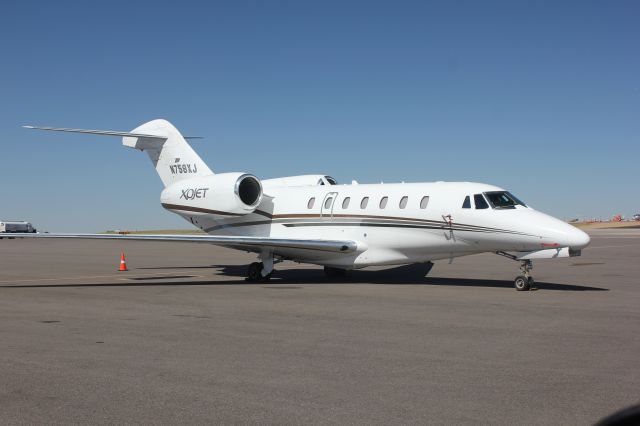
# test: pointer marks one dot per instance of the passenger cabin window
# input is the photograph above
(345, 203)
(403, 202)
(383, 202)
(424, 202)
(327, 203)
(364, 202)
(480, 202)
(503, 200)
(311, 202)
(467, 203)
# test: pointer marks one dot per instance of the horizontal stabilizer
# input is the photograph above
(162, 142)
(97, 132)
(105, 132)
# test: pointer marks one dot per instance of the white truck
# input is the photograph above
(9, 227)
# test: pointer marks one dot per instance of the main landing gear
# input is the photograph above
(254, 273)
(330, 272)
(261, 271)
(525, 281)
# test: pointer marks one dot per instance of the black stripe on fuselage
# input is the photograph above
(371, 222)
(283, 218)
(198, 210)
(393, 219)
(398, 225)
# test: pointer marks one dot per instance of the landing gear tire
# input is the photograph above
(330, 272)
(254, 272)
(523, 283)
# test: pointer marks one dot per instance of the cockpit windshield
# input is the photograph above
(503, 200)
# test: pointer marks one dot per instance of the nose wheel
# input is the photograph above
(525, 281)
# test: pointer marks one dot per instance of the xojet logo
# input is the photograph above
(193, 193)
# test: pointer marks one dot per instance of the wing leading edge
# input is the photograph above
(334, 246)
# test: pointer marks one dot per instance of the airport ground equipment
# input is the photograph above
(16, 226)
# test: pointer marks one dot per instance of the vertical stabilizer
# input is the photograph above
(171, 155)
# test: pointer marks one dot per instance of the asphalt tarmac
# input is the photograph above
(181, 338)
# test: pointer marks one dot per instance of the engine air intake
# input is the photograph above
(249, 189)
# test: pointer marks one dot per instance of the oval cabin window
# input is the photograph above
(364, 202)
(328, 202)
(311, 203)
(424, 202)
(345, 203)
(383, 202)
(403, 202)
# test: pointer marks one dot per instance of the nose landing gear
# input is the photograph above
(525, 281)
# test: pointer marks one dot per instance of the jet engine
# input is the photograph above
(224, 194)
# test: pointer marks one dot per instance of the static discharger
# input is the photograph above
(123, 263)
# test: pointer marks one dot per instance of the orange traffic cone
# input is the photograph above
(123, 263)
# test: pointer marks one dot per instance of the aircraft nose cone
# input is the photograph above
(578, 239)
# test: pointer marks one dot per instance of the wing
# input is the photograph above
(249, 243)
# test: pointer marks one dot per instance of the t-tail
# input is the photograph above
(171, 155)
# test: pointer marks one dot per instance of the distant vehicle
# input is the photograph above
(10, 227)
(636, 217)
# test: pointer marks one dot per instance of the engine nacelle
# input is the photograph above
(224, 194)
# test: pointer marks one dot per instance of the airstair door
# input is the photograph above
(326, 211)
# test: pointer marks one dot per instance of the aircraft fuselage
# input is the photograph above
(392, 223)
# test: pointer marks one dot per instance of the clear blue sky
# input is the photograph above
(542, 98)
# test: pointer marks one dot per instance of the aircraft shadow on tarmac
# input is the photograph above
(403, 275)
(407, 275)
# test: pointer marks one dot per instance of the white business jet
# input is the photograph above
(313, 219)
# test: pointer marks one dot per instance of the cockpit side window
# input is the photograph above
(480, 202)
(467, 203)
(503, 200)
(331, 180)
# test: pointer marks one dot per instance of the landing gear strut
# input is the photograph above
(525, 281)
